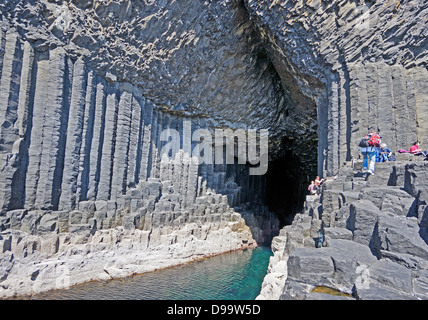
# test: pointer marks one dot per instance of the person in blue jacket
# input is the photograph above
(385, 154)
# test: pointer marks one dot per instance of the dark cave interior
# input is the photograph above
(286, 187)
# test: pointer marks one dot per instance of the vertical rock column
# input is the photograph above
(69, 195)
(106, 165)
(23, 126)
(54, 126)
(387, 98)
(146, 139)
(86, 149)
(97, 141)
(135, 141)
(49, 122)
(12, 54)
(120, 159)
(420, 76)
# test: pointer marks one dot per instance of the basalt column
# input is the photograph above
(359, 65)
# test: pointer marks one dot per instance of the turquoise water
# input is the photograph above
(232, 276)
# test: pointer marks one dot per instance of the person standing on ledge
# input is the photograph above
(369, 147)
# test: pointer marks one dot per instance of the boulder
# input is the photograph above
(338, 233)
(400, 234)
(48, 223)
(349, 259)
(416, 178)
(30, 221)
(312, 266)
(390, 274)
(362, 219)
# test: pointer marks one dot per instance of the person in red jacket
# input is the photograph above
(416, 150)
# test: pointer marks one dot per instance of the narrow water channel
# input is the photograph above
(232, 276)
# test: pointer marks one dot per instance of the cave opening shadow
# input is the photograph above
(286, 187)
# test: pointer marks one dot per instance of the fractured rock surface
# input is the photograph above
(87, 87)
(371, 248)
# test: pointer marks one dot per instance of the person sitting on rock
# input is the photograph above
(385, 154)
(416, 150)
(313, 189)
(318, 181)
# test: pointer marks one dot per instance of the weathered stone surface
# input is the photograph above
(338, 233)
(390, 199)
(87, 87)
(415, 177)
(390, 274)
(48, 223)
(420, 284)
(310, 266)
(376, 250)
(402, 235)
(349, 258)
(382, 293)
(362, 220)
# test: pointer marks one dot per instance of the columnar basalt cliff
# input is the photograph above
(87, 87)
(86, 90)
(363, 63)
(363, 238)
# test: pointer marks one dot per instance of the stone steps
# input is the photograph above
(372, 225)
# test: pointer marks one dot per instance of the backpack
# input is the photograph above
(370, 140)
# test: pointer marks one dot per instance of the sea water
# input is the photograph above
(232, 276)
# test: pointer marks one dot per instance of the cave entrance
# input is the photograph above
(282, 189)
(286, 187)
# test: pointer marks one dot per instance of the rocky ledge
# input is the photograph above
(42, 250)
(362, 238)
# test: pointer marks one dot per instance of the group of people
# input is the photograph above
(315, 186)
(376, 151)
(373, 150)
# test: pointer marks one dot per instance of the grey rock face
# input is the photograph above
(363, 63)
(198, 58)
(82, 108)
(363, 216)
(87, 87)
(372, 249)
